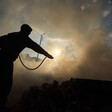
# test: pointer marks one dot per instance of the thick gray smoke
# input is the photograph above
(74, 26)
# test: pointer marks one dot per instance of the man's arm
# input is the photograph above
(37, 48)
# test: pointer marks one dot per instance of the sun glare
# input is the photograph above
(57, 52)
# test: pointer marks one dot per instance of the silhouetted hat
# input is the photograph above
(26, 28)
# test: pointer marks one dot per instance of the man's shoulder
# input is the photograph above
(13, 34)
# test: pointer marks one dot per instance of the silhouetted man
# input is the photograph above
(10, 47)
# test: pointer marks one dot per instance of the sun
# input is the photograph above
(57, 52)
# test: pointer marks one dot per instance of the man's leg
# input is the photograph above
(6, 75)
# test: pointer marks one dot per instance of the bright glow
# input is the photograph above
(57, 52)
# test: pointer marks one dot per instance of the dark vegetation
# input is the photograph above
(74, 95)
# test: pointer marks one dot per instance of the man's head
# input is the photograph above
(26, 29)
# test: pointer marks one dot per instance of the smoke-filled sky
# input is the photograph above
(78, 33)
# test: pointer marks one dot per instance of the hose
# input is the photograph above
(31, 68)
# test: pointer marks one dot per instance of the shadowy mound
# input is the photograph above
(74, 95)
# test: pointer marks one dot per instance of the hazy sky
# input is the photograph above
(81, 30)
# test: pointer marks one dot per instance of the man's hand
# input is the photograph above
(50, 56)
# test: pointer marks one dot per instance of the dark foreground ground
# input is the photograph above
(74, 95)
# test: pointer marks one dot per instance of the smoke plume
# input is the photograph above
(74, 26)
